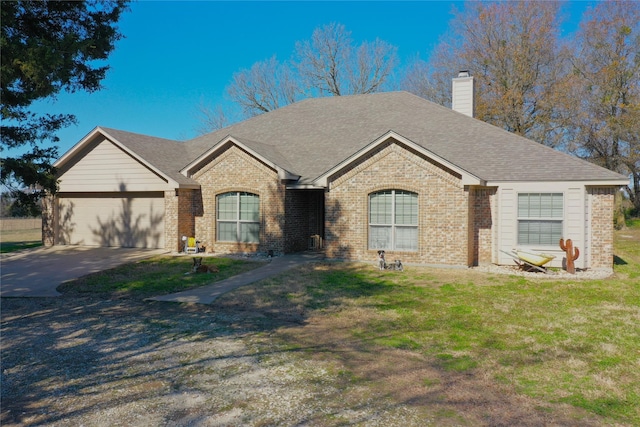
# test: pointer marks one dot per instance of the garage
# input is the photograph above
(132, 220)
(108, 195)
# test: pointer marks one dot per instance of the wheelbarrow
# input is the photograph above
(528, 260)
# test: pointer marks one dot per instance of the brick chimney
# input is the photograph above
(462, 94)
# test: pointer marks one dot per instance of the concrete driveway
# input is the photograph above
(38, 272)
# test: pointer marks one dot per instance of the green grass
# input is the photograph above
(155, 276)
(633, 223)
(552, 338)
(558, 341)
(561, 341)
(17, 240)
(8, 247)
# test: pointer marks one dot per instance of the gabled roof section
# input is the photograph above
(309, 140)
(266, 153)
(316, 135)
(466, 177)
(157, 154)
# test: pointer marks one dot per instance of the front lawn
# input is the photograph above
(17, 240)
(565, 347)
(457, 346)
(155, 276)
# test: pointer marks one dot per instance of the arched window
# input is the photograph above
(238, 217)
(393, 220)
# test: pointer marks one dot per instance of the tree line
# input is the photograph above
(579, 93)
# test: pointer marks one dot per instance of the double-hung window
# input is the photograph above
(393, 220)
(540, 218)
(238, 217)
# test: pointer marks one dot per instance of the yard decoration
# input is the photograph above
(572, 254)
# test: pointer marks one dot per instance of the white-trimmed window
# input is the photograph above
(238, 217)
(540, 218)
(393, 220)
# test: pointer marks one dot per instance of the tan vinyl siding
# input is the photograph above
(108, 168)
(575, 220)
(507, 224)
(574, 225)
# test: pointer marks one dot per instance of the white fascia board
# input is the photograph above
(99, 131)
(283, 174)
(586, 183)
(77, 147)
(467, 178)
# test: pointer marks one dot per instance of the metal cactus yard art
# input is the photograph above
(572, 254)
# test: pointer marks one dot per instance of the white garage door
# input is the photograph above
(134, 221)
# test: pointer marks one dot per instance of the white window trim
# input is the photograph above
(393, 226)
(541, 219)
(237, 221)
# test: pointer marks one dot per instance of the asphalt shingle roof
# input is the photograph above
(316, 134)
(166, 155)
(310, 137)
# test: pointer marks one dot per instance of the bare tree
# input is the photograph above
(422, 79)
(513, 51)
(329, 63)
(606, 85)
(267, 85)
(212, 118)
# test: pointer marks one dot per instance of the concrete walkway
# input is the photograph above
(207, 294)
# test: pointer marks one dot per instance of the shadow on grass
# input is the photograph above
(101, 336)
(101, 353)
(618, 261)
(159, 275)
(8, 247)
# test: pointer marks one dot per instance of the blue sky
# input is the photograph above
(177, 55)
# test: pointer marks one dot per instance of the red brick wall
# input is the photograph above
(182, 216)
(601, 217)
(442, 207)
(171, 224)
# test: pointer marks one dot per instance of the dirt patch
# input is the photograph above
(82, 361)
(421, 386)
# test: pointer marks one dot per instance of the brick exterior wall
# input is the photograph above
(601, 218)
(236, 170)
(442, 207)
(456, 225)
(179, 217)
(482, 216)
(49, 220)
(171, 223)
(303, 219)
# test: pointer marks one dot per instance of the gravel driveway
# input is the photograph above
(81, 361)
